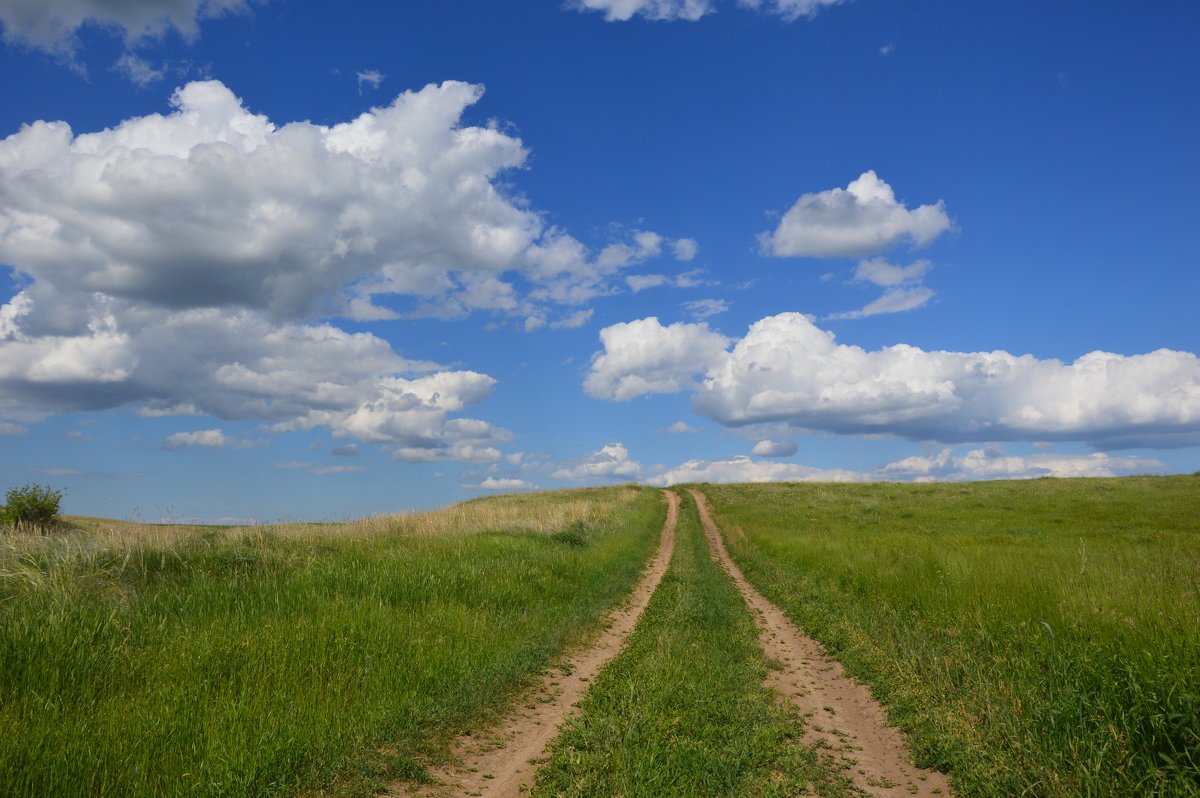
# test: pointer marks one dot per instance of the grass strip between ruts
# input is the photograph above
(682, 711)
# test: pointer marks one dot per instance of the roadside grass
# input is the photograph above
(271, 662)
(682, 711)
(1035, 638)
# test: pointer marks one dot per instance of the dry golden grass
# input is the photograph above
(545, 511)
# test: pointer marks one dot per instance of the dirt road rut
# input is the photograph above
(497, 762)
(843, 718)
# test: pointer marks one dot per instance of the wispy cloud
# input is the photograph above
(370, 77)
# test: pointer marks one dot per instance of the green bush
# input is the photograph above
(30, 506)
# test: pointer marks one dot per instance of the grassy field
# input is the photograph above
(683, 711)
(1036, 638)
(140, 660)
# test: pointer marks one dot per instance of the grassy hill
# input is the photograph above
(1035, 638)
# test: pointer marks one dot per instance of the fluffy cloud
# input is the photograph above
(211, 438)
(212, 205)
(182, 262)
(612, 461)
(681, 428)
(502, 483)
(775, 448)
(862, 219)
(744, 469)
(52, 25)
(692, 10)
(643, 356)
(685, 248)
(787, 370)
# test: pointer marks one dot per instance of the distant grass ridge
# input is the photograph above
(270, 662)
(1036, 638)
(682, 712)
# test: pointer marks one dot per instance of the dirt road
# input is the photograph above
(496, 763)
(843, 718)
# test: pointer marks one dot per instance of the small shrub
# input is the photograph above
(31, 506)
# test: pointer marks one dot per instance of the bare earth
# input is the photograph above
(496, 763)
(843, 718)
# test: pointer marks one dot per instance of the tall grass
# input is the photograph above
(274, 662)
(683, 711)
(1037, 638)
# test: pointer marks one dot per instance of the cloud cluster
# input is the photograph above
(692, 10)
(182, 263)
(903, 287)
(993, 462)
(987, 463)
(862, 219)
(611, 462)
(52, 25)
(745, 469)
(787, 370)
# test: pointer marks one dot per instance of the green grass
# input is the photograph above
(683, 711)
(1036, 638)
(226, 663)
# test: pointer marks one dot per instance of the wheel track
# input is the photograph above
(501, 762)
(843, 719)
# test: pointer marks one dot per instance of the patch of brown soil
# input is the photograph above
(500, 762)
(844, 721)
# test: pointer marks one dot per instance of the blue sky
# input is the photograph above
(281, 260)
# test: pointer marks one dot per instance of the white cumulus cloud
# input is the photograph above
(770, 448)
(787, 370)
(643, 356)
(612, 461)
(862, 219)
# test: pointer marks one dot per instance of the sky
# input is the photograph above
(267, 260)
